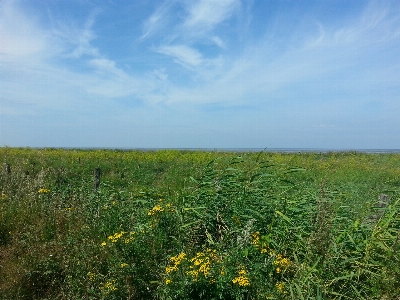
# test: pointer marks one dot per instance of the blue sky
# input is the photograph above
(200, 74)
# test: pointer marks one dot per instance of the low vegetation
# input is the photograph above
(199, 225)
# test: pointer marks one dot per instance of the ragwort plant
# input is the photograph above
(224, 255)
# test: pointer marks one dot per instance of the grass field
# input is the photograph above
(199, 225)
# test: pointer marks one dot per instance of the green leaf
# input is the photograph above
(245, 252)
(283, 217)
(191, 223)
(296, 170)
(382, 246)
(209, 238)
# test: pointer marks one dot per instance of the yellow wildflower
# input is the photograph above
(281, 261)
(108, 287)
(280, 286)
(168, 281)
(103, 244)
(91, 276)
(196, 261)
(123, 265)
(178, 258)
(156, 209)
(256, 238)
(257, 244)
(129, 239)
(242, 279)
(205, 268)
(169, 206)
(193, 273)
(171, 269)
(114, 238)
(43, 191)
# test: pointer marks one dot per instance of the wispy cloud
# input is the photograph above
(218, 41)
(192, 31)
(20, 36)
(205, 14)
(158, 21)
(76, 38)
(184, 55)
(106, 66)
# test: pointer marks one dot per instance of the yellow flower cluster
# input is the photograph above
(105, 207)
(262, 247)
(123, 265)
(281, 262)
(169, 207)
(118, 235)
(43, 191)
(176, 260)
(108, 286)
(202, 264)
(280, 286)
(91, 276)
(3, 196)
(156, 209)
(242, 279)
(114, 238)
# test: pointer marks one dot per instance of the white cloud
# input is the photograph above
(184, 55)
(207, 13)
(106, 66)
(76, 39)
(19, 36)
(217, 40)
(158, 20)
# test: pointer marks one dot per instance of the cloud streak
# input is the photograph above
(184, 55)
(204, 15)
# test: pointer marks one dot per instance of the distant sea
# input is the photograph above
(276, 150)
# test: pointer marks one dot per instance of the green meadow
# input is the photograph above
(175, 224)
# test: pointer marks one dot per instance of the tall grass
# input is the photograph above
(198, 225)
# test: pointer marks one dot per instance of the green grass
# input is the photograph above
(198, 225)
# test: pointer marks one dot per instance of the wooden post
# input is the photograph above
(383, 201)
(381, 205)
(97, 173)
(7, 168)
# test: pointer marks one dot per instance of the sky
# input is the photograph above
(200, 74)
